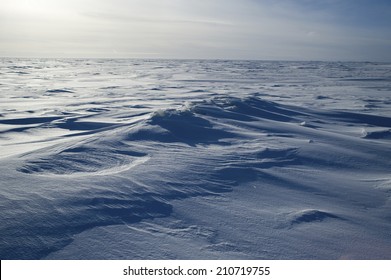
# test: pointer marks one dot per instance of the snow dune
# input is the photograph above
(194, 159)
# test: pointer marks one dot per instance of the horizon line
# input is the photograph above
(193, 59)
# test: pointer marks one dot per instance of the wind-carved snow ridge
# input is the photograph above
(175, 125)
(252, 160)
(147, 154)
(305, 217)
(85, 160)
(377, 134)
(153, 175)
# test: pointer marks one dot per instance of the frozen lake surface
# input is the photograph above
(192, 159)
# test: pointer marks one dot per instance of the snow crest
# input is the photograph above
(275, 165)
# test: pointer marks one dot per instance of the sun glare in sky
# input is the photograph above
(222, 29)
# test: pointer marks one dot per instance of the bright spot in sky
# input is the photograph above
(222, 29)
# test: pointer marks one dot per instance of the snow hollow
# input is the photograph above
(191, 159)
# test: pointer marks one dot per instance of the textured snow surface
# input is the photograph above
(171, 159)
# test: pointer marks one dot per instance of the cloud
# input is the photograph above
(246, 29)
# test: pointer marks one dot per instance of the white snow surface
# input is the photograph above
(192, 159)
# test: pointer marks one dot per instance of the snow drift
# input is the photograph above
(184, 169)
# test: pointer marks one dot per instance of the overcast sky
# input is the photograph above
(222, 29)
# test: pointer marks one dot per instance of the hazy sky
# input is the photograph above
(223, 29)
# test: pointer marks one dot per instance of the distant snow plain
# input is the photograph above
(194, 159)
